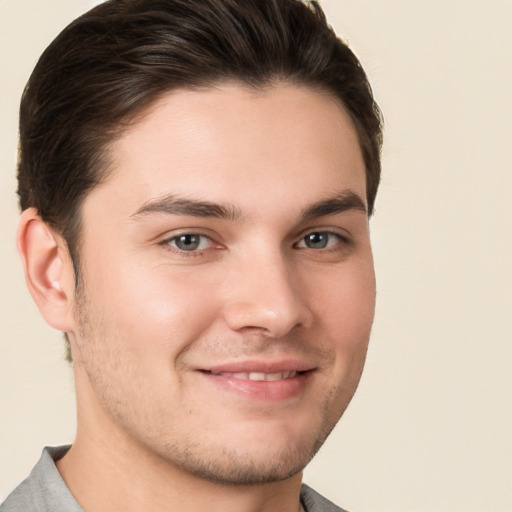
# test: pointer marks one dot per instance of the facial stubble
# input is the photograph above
(220, 464)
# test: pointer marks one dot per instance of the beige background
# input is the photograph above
(430, 428)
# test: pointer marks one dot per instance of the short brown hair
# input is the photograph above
(114, 61)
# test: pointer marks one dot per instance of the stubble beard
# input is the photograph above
(233, 467)
(224, 465)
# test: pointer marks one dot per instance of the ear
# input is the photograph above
(48, 270)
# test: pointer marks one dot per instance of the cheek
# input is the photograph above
(345, 308)
(166, 306)
(346, 301)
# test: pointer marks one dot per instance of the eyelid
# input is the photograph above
(343, 238)
(175, 233)
(166, 240)
(202, 238)
(333, 230)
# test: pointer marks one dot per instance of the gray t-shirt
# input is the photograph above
(45, 491)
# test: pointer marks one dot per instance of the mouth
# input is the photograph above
(258, 376)
(261, 382)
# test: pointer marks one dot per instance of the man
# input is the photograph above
(195, 179)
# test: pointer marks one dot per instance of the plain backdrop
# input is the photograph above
(430, 428)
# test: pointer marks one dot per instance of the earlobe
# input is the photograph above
(48, 269)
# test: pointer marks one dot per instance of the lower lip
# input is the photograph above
(274, 391)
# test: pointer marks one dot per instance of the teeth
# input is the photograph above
(277, 376)
(241, 375)
(259, 376)
(256, 376)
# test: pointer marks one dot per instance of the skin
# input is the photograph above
(273, 274)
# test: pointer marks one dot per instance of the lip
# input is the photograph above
(234, 378)
(263, 366)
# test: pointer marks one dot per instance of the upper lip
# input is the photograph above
(260, 366)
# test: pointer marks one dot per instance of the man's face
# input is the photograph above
(227, 282)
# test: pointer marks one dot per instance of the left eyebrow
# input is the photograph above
(345, 201)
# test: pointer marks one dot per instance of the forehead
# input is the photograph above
(237, 145)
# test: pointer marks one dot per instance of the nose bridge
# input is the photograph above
(264, 294)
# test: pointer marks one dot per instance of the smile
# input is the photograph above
(260, 383)
(258, 376)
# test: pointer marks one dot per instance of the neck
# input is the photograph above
(103, 479)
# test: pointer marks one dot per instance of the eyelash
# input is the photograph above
(170, 243)
(167, 243)
(341, 240)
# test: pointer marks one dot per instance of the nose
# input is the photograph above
(265, 295)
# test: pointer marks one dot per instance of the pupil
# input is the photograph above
(316, 240)
(187, 242)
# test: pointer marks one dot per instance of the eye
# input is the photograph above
(190, 242)
(320, 240)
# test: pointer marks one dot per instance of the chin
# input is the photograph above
(240, 469)
(258, 459)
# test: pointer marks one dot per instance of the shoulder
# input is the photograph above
(20, 499)
(314, 502)
(43, 490)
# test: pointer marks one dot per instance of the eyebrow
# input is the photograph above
(345, 201)
(176, 205)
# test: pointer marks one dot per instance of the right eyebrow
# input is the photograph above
(175, 205)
